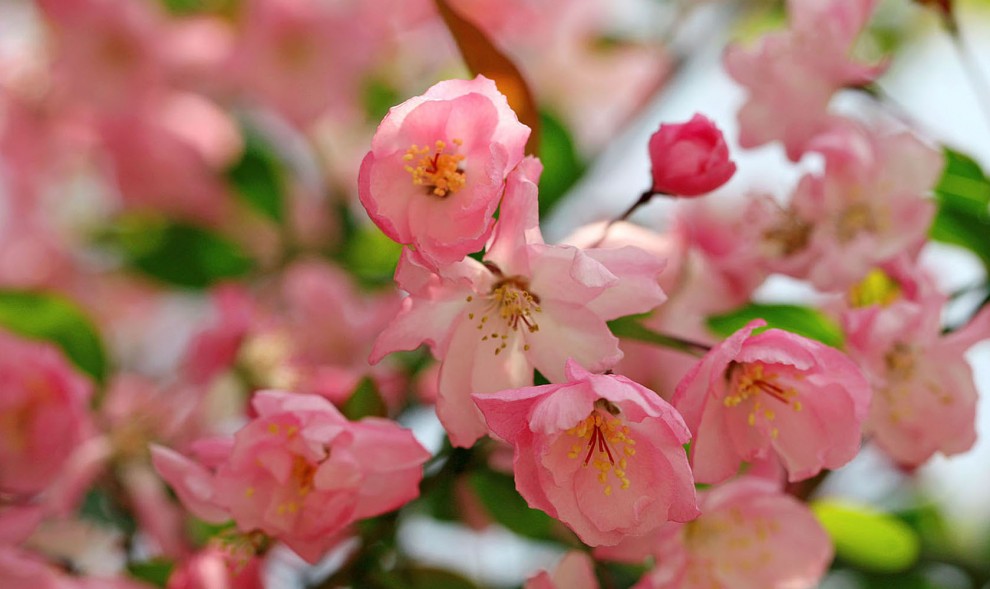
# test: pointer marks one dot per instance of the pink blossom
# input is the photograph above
(530, 305)
(791, 75)
(575, 571)
(437, 168)
(210, 569)
(43, 414)
(924, 396)
(868, 207)
(774, 391)
(299, 472)
(689, 159)
(630, 437)
(749, 536)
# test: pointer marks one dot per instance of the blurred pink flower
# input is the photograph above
(530, 305)
(211, 568)
(575, 571)
(749, 536)
(299, 472)
(44, 406)
(689, 159)
(632, 439)
(437, 168)
(772, 392)
(791, 75)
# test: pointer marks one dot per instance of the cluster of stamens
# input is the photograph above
(302, 474)
(436, 169)
(877, 288)
(752, 381)
(855, 219)
(510, 302)
(790, 234)
(609, 445)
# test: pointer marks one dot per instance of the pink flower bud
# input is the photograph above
(689, 159)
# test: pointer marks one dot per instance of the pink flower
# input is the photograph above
(530, 305)
(792, 75)
(299, 472)
(924, 396)
(689, 159)
(437, 168)
(773, 391)
(749, 536)
(43, 414)
(600, 453)
(575, 571)
(211, 569)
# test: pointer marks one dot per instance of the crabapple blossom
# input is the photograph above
(749, 536)
(529, 305)
(924, 397)
(437, 168)
(689, 159)
(43, 414)
(600, 453)
(299, 472)
(772, 392)
(790, 76)
(575, 571)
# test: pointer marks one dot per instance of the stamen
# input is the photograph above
(604, 433)
(436, 169)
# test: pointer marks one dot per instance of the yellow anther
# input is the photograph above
(878, 288)
(436, 169)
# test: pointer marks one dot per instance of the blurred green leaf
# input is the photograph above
(867, 538)
(365, 402)
(371, 256)
(378, 96)
(629, 327)
(99, 506)
(178, 253)
(562, 166)
(433, 578)
(803, 321)
(257, 177)
(155, 572)
(963, 196)
(58, 320)
(498, 494)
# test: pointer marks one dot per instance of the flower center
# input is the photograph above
(878, 288)
(608, 446)
(510, 301)
(855, 219)
(789, 235)
(436, 169)
(751, 381)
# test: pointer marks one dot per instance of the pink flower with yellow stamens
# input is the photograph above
(600, 453)
(774, 392)
(437, 168)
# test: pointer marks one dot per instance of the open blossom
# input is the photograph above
(43, 414)
(772, 392)
(575, 571)
(529, 305)
(924, 397)
(437, 168)
(689, 159)
(749, 536)
(791, 75)
(600, 453)
(870, 206)
(299, 472)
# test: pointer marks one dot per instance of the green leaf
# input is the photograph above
(433, 578)
(867, 538)
(58, 320)
(803, 321)
(180, 254)
(155, 572)
(562, 166)
(371, 256)
(378, 96)
(963, 196)
(365, 402)
(498, 494)
(257, 177)
(629, 327)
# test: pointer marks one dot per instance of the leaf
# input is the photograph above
(179, 253)
(58, 320)
(364, 402)
(257, 177)
(378, 96)
(433, 578)
(803, 321)
(155, 572)
(963, 216)
(482, 57)
(371, 256)
(630, 328)
(498, 494)
(868, 538)
(562, 166)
